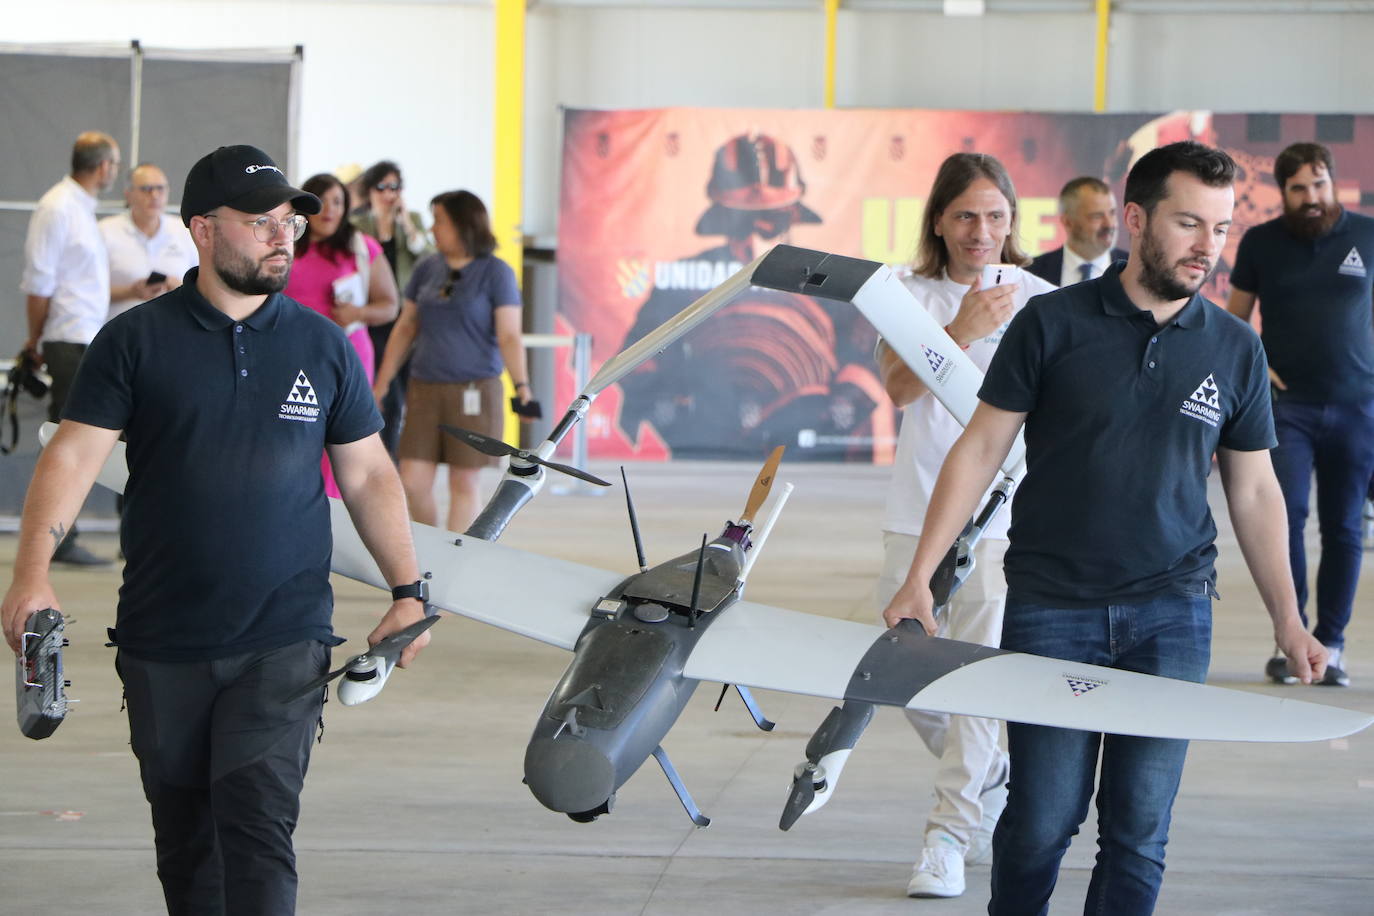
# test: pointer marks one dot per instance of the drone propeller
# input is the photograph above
(498, 449)
(762, 484)
(387, 650)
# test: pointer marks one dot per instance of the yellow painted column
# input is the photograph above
(832, 8)
(1104, 15)
(508, 159)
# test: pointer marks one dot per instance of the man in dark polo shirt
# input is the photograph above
(1310, 269)
(1126, 385)
(228, 393)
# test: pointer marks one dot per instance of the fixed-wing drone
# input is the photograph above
(641, 644)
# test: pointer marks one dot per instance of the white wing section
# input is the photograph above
(777, 649)
(525, 593)
(1046, 691)
(114, 473)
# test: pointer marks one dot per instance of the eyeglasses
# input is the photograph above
(150, 188)
(453, 277)
(265, 228)
(387, 186)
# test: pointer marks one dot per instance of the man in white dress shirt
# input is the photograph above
(970, 221)
(1087, 210)
(143, 242)
(67, 281)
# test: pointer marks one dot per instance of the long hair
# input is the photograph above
(956, 174)
(469, 217)
(340, 241)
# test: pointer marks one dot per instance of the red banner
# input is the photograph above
(659, 206)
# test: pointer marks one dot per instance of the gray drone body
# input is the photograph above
(625, 688)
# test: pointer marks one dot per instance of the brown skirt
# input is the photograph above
(429, 404)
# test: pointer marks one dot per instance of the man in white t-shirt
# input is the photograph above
(970, 221)
(143, 243)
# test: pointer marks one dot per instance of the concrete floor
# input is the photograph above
(414, 802)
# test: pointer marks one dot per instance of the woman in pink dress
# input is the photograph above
(339, 273)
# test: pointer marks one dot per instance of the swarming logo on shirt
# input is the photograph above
(1353, 265)
(1204, 403)
(939, 364)
(301, 403)
(1080, 684)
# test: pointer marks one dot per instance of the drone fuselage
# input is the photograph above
(625, 688)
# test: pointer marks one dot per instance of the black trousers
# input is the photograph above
(223, 760)
(61, 360)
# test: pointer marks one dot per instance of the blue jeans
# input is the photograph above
(1337, 441)
(1052, 769)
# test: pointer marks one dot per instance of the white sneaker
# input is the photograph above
(940, 873)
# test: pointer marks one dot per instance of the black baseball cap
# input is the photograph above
(242, 177)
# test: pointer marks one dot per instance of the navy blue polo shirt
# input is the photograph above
(226, 528)
(1315, 307)
(1123, 417)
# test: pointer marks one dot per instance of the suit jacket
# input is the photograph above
(1050, 265)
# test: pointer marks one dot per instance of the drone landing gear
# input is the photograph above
(750, 704)
(683, 795)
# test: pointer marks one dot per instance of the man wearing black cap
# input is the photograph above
(227, 393)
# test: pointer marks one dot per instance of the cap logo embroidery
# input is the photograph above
(258, 168)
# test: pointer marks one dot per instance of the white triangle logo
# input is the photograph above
(1353, 265)
(1207, 393)
(302, 392)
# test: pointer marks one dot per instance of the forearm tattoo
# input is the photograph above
(58, 532)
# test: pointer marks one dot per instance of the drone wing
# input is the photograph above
(536, 596)
(777, 649)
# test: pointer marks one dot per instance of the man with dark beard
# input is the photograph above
(1126, 385)
(228, 393)
(1308, 270)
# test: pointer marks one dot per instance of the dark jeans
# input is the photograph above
(223, 760)
(62, 360)
(1337, 442)
(1052, 769)
(394, 404)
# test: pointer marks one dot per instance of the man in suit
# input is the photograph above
(1087, 209)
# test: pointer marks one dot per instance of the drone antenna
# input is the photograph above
(634, 522)
(696, 583)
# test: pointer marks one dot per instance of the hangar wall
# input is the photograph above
(412, 79)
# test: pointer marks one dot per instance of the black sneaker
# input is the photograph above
(1276, 669)
(1335, 675)
(73, 554)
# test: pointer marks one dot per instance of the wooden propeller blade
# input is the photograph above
(762, 484)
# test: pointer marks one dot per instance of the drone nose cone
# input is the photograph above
(567, 774)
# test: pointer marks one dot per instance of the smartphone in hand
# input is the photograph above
(155, 278)
(999, 275)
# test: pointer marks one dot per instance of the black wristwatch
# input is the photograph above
(419, 590)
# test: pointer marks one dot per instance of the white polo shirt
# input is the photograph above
(1071, 273)
(928, 429)
(133, 255)
(64, 259)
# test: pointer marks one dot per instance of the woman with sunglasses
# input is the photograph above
(462, 313)
(339, 272)
(384, 217)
